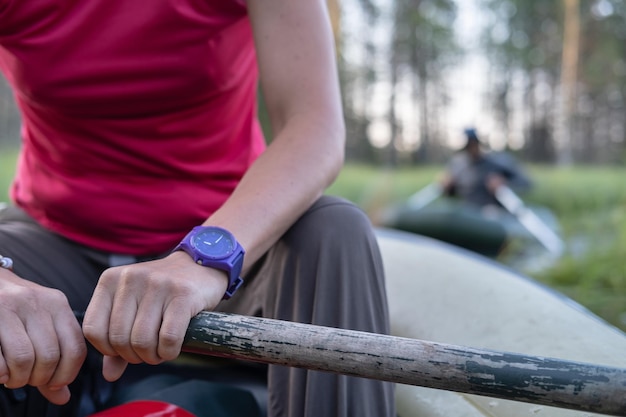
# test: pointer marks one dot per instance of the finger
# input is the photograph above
(46, 348)
(17, 350)
(145, 332)
(98, 316)
(58, 396)
(72, 347)
(113, 367)
(173, 328)
(4, 369)
(123, 317)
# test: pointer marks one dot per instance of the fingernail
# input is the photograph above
(56, 388)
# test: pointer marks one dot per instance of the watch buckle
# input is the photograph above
(234, 287)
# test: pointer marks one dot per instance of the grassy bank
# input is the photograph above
(7, 167)
(590, 203)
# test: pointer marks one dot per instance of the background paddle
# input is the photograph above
(511, 376)
(510, 201)
(425, 196)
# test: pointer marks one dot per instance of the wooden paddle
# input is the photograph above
(511, 376)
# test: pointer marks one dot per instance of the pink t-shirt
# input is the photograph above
(139, 118)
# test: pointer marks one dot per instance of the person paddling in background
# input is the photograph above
(142, 156)
(473, 175)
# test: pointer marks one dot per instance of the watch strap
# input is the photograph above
(234, 280)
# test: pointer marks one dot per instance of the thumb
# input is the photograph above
(113, 367)
(56, 396)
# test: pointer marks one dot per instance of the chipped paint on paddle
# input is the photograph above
(538, 380)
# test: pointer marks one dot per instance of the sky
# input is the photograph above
(468, 81)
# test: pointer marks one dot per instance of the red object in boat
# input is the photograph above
(144, 409)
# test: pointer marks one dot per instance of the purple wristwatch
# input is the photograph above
(217, 248)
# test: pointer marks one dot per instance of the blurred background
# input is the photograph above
(543, 81)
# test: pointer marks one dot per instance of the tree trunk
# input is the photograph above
(569, 76)
(392, 116)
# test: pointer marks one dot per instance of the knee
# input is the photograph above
(331, 221)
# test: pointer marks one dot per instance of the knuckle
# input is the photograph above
(33, 299)
(168, 345)
(16, 299)
(76, 352)
(118, 276)
(141, 344)
(118, 340)
(145, 347)
(91, 332)
(126, 273)
(168, 339)
(106, 280)
(134, 273)
(57, 297)
(48, 358)
(21, 358)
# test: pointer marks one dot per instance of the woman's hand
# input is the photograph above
(495, 181)
(42, 343)
(140, 312)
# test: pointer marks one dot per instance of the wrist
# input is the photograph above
(215, 248)
(213, 276)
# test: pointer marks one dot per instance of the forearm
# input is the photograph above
(303, 159)
(301, 89)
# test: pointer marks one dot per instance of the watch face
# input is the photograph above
(213, 243)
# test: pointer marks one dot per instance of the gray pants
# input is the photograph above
(325, 270)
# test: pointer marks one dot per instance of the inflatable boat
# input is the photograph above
(487, 230)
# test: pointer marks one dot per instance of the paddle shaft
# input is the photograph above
(425, 196)
(529, 220)
(537, 380)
